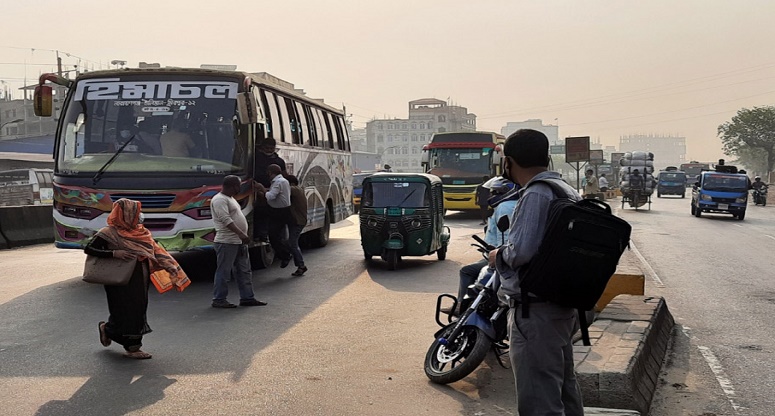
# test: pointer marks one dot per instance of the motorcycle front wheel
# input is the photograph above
(446, 364)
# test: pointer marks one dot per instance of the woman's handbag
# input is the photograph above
(108, 271)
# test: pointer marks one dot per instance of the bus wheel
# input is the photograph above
(319, 237)
(261, 256)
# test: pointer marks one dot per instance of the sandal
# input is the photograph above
(104, 339)
(138, 355)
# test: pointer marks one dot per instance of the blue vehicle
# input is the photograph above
(723, 192)
(358, 189)
(671, 182)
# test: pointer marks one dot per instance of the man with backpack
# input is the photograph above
(540, 331)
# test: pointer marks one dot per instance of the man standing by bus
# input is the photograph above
(265, 156)
(278, 197)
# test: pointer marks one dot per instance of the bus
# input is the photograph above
(110, 144)
(39, 181)
(693, 170)
(462, 160)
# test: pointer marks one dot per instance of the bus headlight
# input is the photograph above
(198, 213)
(73, 211)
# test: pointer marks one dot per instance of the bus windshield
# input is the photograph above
(180, 124)
(460, 163)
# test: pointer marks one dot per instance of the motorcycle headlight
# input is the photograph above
(741, 200)
(706, 197)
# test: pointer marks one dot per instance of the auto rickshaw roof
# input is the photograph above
(403, 177)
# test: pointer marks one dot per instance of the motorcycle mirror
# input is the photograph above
(503, 223)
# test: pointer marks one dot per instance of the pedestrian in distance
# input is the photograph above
(590, 187)
(482, 195)
(278, 196)
(231, 247)
(299, 217)
(541, 348)
(126, 238)
(603, 183)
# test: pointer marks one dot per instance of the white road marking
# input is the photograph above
(769, 236)
(738, 225)
(652, 274)
(718, 371)
(721, 376)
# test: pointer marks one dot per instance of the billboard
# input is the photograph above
(615, 158)
(577, 149)
(557, 149)
(596, 156)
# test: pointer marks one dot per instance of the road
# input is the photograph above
(716, 274)
(349, 338)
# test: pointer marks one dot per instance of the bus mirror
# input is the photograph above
(247, 110)
(425, 157)
(496, 158)
(43, 102)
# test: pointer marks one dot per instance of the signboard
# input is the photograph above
(557, 149)
(577, 149)
(607, 169)
(615, 158)
(596, 156)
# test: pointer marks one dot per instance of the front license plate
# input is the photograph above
(723, 206)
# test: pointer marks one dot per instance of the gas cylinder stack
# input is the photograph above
(637, 172)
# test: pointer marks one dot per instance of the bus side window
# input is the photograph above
(335, 140)
(302, 120)
(320, 127)
(328, 143)
(313, 138)
(343, 135)
(273, 120)
(293, 121)
(286, 120)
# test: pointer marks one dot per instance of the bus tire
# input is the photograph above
(319, 237)
(261, 256)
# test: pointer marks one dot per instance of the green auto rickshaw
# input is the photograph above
(402, 214)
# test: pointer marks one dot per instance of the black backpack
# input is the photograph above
(581, 247)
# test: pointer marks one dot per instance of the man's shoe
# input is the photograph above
(300, 271)
(224, 305)
(285, 263)
(252, 302)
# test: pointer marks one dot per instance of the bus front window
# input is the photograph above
(161, 125)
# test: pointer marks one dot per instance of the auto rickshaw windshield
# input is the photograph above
(395, 194)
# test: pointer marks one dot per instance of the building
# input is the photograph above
(552, 132)
(399, 142)
(18, 120)
(667, 150)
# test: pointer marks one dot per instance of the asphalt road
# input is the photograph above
(349, 338)
(345, 339)
(716, 274)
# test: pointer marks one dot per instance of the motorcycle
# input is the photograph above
(461, 345)
(760, 196)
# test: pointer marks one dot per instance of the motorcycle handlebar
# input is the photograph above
(482, 242)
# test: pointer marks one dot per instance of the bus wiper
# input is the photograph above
(406, 197)
(107, 164)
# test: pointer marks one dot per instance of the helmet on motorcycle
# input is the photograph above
(499, 185)
(757, 178)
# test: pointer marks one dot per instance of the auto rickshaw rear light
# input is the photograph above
(372, 223)
(416, 223)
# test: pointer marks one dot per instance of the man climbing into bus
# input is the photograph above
(265, 156)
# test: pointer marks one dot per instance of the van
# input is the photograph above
(671, 182)
(42, 181)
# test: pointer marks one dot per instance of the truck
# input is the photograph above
(720, 191)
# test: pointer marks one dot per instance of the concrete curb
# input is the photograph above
(629, 342)
(26, 225)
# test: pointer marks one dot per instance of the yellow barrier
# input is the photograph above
(628, 280)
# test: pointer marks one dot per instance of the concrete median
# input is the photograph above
(629, 340)
(26, 225)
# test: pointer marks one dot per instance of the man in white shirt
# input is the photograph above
(603, 183)
(279, 199)
(231, 247)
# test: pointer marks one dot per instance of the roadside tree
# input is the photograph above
(751, 132)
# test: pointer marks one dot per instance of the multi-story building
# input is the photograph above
(18, 120)
(551, 131)
(667, 150)
(399, 142)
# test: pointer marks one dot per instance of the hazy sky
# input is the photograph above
(601, 68)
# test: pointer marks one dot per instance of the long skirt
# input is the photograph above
(128, 306)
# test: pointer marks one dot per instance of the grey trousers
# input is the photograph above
(541, 356)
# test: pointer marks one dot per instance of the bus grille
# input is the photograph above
(147, 200)
(159, 224)
(460, 189)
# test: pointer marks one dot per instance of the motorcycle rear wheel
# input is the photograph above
(446, 364)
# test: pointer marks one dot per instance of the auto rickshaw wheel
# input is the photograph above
(391, 257)
(441, 253)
